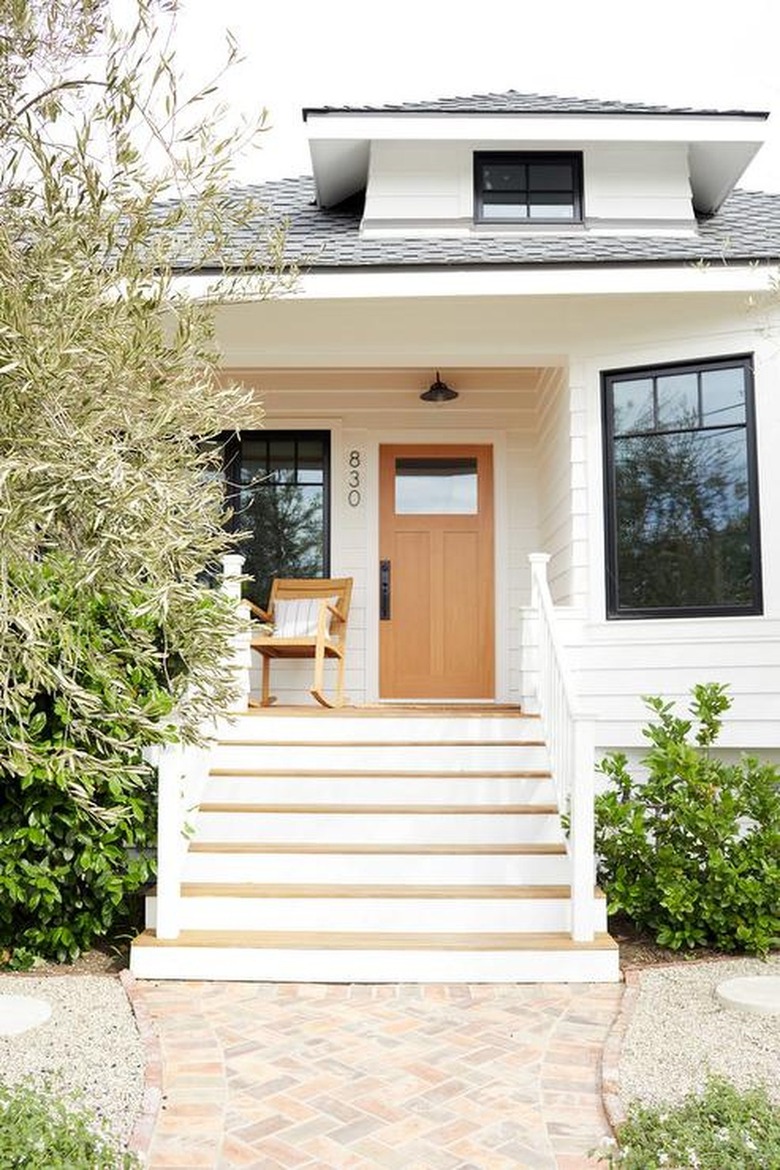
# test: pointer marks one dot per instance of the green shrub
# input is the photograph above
(42, 1132)
(721, 1129)
(77, 815)
(691, 852)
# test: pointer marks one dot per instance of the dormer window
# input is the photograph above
(522, 187)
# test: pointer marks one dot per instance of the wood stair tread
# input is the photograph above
(385, 809)
(466, 849)
(381, 743)
(385, 774)
(386, 710)
(370, 941)
(385, 890)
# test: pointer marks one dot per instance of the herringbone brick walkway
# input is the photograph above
(400, 1077)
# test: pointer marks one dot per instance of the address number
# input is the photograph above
(354, 482)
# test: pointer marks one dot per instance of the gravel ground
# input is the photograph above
(89, 1045)
(679, 1034)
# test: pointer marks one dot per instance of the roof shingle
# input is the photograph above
(513, 102)
(745, 229)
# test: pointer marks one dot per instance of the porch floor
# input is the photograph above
(392, 710)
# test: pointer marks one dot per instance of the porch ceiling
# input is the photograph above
(392, 395)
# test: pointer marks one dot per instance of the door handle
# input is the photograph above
(384, 591)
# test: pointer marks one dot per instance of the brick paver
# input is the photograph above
(400, 1077)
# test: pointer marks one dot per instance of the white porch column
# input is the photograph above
(241, 652)
(169, 760)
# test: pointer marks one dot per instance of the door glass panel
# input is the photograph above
(436, 486)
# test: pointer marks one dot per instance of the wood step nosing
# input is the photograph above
(437, 849)
(390, 710)
(384, 774)
(377, 891)
(380, 940)
(376, 743)
(335, 810)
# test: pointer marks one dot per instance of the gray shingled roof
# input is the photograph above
(513, 102)
(747, 228)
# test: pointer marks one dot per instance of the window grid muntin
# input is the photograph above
(660, 428)
(609, 380)
(526, 160)
(233, 447)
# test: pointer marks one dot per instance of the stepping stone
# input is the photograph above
(20, 1013)
(754, 993)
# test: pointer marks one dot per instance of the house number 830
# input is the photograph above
(353, 479)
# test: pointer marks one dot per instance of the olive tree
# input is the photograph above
(111, 509)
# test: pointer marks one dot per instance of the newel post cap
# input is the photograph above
(232, 564)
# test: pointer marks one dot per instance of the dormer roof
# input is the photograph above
(720, 143)
(514, 102)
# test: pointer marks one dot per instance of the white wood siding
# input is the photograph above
(418, 181)
(505, 356)
(554, 483)
(636, 182)
(429, 186)
(368, 407)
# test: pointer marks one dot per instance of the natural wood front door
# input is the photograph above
(436, 572)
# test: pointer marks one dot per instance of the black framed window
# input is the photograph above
(681, 490)
(540, 187)
(278, 488)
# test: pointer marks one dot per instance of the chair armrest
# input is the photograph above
(256, 610)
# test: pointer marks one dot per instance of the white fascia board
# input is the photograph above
(497, 282)
(527, 128)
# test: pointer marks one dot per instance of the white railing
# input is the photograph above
(570, 741)
(232, 566)
(182, 771)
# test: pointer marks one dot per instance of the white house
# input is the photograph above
(588, 281)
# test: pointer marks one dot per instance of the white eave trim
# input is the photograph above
(501, 282)
(542, 128)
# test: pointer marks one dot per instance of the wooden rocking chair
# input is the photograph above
(310, 621)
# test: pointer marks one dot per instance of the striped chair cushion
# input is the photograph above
(298, 617)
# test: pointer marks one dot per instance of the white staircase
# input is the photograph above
(378, 846)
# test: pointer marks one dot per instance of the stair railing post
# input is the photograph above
(169, 760)
(539, 562)
(570, 742)
(583, 857)
(241, 651)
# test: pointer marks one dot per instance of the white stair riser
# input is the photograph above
(333, 966)
(333, 728)
(461, 915)
(373, 758)
(398, 828)
(370, 790)
(414, 869)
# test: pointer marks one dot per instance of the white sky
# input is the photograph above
(704, 53)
